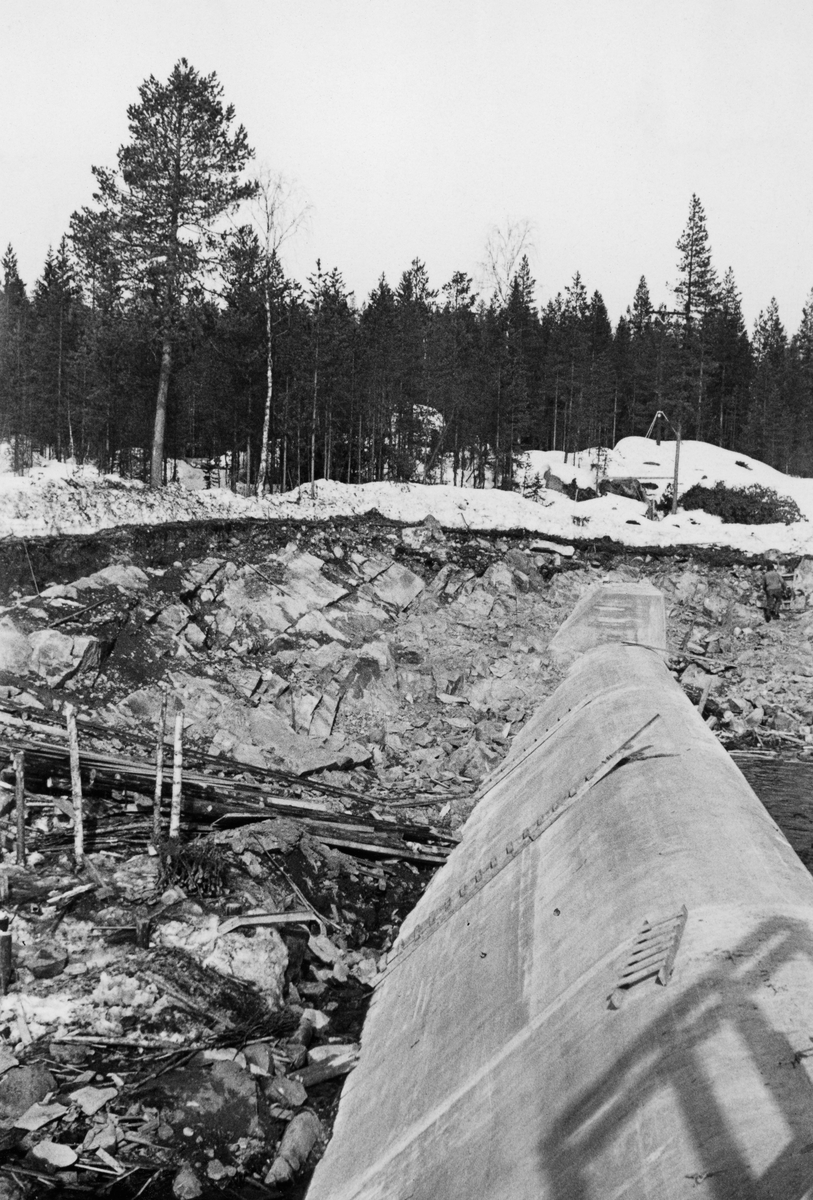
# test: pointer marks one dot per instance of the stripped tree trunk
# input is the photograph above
(157, 463)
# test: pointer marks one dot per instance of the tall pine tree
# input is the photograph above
(177, 178)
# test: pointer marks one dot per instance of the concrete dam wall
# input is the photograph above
(608, 989)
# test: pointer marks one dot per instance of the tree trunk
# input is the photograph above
(159, 430)
(269, 393)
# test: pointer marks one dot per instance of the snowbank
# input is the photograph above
(58, 498)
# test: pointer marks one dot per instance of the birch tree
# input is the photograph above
(278, 213)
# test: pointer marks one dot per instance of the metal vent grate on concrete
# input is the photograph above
(653, 955)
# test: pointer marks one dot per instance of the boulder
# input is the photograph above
(57, 657)
(126, 576)
(186, 1185)
(435, 528)
(194, 636)
(259, 960)
(15, 649)
(175, 617)
(23, 1086)
(244, 680)
(715, 607)
(54, 1154)
(689, 586)
(498, 577)
(803, 577)
(300, 1142)
(199, 574)
(397, 586)
(144, 704)
(217, 1100)
(269, 607)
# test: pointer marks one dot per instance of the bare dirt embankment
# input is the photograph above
(344, 689)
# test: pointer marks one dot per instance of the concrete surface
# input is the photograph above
(613, 612)
(494, 1063)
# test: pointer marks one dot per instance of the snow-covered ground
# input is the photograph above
(58, 498)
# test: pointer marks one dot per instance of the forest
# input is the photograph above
(164, 326)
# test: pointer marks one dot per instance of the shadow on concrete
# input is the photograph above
(669, 1056)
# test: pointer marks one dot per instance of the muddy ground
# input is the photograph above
(344, 690)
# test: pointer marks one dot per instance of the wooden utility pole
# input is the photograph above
(655, 425)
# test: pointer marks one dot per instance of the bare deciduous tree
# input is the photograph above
(505, 246)
(278, 212)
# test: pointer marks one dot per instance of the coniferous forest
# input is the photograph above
(164, 326)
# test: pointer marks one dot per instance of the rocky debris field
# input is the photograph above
(179, 1012)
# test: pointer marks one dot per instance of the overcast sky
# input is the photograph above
(413, 126)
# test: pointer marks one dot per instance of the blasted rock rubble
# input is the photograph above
(343, 698)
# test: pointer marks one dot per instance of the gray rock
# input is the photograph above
(15, 648)
(219, 1101)
(56, 657)
(260, 1054)
(194, 636)
(435, 528)
(175, 617)
(300, 1142)
(280, 1090)
(199, 574)
(244, 680)
(23, 1086)
(269, 607)
(397, 586)
(47, 962)
(186, 1185)
(54, 1154)
(126, 576)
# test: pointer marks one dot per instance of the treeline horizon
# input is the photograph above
(296, 382)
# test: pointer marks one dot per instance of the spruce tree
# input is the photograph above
(697, 293)
(164, 205)
(696, 288)
(801, 385)
(640, 383)
(55, 333)
(415, 301)
(451, 384)
(378, 379)
(730, 374)
(14, 361)
(576, 329)
(767, 419)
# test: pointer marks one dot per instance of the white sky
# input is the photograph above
(412, 126)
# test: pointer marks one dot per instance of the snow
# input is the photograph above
(538, 462)
(61, 498)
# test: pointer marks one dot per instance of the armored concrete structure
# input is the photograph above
(607, 991)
